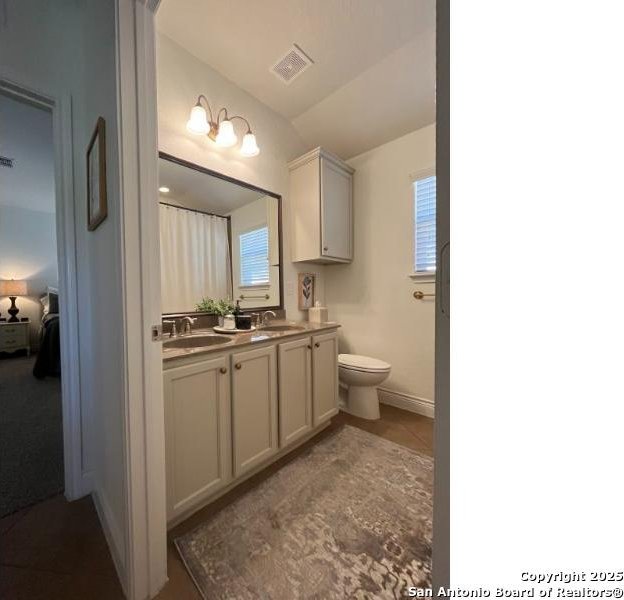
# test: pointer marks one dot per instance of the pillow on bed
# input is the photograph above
(50, 301)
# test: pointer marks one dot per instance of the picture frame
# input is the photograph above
(97, 202)
(306, 290)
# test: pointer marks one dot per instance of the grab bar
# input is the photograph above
(265, 297)
(420, 295)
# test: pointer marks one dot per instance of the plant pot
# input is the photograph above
(221, 320)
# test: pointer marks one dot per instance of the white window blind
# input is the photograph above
(425, 219)
(254, 257)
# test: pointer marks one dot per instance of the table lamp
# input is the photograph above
(13, 289)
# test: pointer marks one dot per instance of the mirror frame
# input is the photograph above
(249, 186)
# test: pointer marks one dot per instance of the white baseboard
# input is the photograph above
(421, 406)
(113, 536)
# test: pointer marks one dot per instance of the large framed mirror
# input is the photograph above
(220, 239)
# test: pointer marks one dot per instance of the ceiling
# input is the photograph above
(374, 61)
(193, 189)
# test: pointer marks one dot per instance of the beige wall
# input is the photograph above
(181, 78)
(372, 297)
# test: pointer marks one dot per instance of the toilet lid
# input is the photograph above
(362, 363)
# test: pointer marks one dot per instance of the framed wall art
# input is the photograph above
(97, 206)
(306, 290)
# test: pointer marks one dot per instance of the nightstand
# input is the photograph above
(15, 336)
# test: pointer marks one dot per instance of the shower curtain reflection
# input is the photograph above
(194, 257)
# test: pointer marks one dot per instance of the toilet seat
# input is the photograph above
(365, 364)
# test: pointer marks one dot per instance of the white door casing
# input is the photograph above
(77, 481)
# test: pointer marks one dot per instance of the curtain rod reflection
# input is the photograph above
(202, 212)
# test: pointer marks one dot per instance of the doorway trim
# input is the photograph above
(77, 482)
(146, 523)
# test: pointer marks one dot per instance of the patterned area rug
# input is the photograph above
(350, 518)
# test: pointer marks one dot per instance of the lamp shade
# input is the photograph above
(197, 123)
(11, 287)
(226, 136)
(249, 146)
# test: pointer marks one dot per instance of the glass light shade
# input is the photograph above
(12, 288)
(226, 136)
(197, 123)
(249, 146)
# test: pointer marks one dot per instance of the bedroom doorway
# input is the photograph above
(35, 350)
(31, 414)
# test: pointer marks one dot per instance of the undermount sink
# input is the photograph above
(196, 341)
(282, 328)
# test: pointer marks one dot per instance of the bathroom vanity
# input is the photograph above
(234, 404)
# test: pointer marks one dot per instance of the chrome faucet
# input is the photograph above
(187, 325)
(265, 315)
(173, 333)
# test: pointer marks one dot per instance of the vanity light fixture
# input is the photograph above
(221, 131)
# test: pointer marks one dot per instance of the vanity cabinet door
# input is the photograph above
(254, 408)
(295, 390)
(324, 377)
(197, 432)
(335, 212)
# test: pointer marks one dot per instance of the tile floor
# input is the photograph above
(56, 550)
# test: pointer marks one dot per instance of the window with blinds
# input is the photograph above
(425, 220)
(254, 257)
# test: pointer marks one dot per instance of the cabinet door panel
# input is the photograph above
(197, 429)
(254, 402)
(295, 390)
(325, 376)
(305, 192)
(335, 211)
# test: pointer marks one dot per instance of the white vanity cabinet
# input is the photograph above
(325, 377)
(254, 408)
(308, 385)
(197, 432)
(322, 208)
(295, 390)
(230, 413)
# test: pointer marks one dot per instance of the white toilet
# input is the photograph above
(360, 375)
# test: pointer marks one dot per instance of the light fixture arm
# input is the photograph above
(199, 98)
(224, 110)
(242, 119)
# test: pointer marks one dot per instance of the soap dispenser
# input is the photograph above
(317, 313)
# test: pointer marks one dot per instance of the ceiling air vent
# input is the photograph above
(293, 64)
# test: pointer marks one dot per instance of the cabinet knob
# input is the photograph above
(238, 366)
(325, 248)
(309, 347)
(223, 370)
(317, 345)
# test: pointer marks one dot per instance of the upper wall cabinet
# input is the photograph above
(322, 213)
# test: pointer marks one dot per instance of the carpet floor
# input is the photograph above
(31, 435)
(349, 518)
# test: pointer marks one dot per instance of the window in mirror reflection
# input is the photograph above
(254, 257)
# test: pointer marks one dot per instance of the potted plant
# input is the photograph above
(216, 307)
